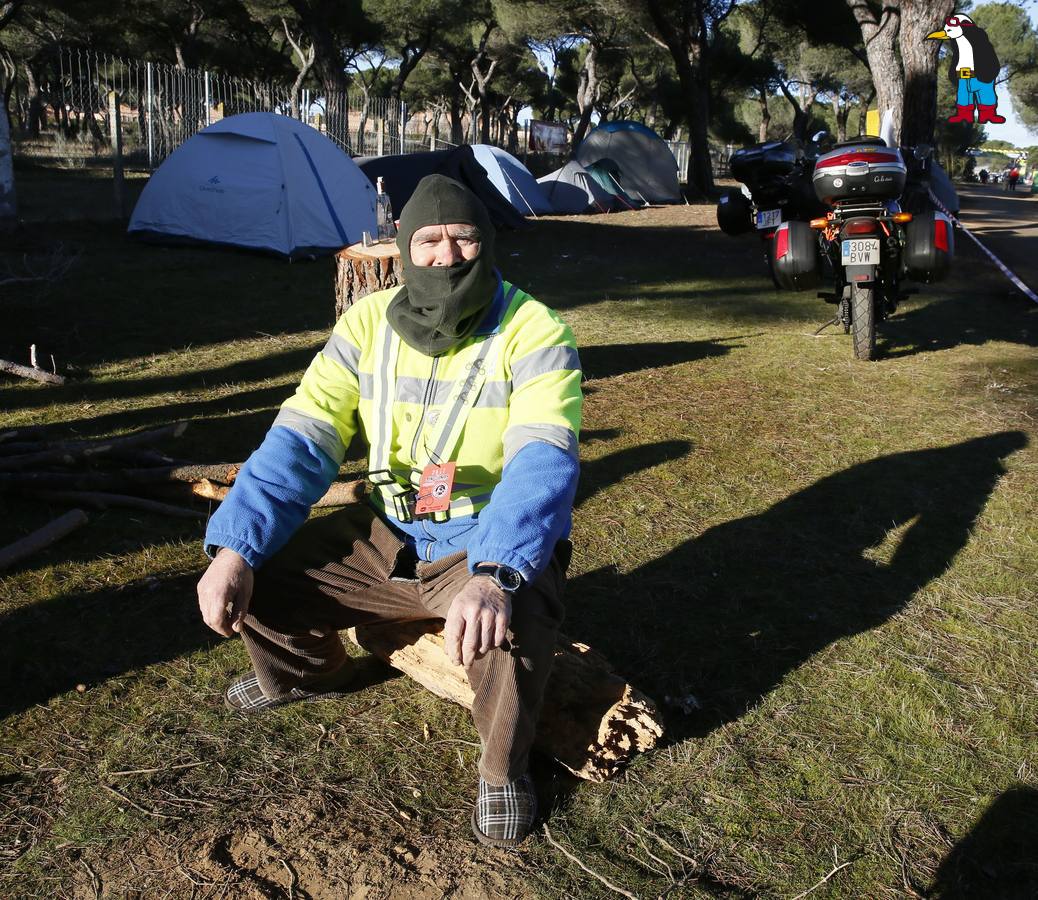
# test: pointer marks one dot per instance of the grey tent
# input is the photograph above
(572, 190)
(648, 170)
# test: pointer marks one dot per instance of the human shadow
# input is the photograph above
(599, 474)
(607, 360)
(726, 615)
(999, 856)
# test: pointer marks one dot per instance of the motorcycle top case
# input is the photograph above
(795, 256)
(734, 213)
(929, 247)
(859, 171)
(761, 161)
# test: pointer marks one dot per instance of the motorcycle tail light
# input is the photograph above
(781, 243)
(902, 217)
(819, 223)
(866, 226)
(940, 235)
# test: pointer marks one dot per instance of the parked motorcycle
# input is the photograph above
(777, 188)
(865, 245)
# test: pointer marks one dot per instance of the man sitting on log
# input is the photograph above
(467, 392)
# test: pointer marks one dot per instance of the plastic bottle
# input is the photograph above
(384, 213)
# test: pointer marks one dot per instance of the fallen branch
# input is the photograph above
(12, 368)
(590, 871)
(339, 493)
(71, 452)
(823, 881)
(105, 501)
(42, 537)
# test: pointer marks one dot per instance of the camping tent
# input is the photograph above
(261, 181)
(512, 180)
(572, 190)
(402, 174)
(648, 170)
(606, 174)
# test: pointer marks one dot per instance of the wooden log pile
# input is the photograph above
(122, 472)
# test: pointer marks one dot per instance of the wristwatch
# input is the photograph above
(507, 578)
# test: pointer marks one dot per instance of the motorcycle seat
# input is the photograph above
(868, 139)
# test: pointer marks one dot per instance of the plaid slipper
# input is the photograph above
(504, 816)
(246, 696)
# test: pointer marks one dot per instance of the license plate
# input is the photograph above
(860, 252)
(769, 218)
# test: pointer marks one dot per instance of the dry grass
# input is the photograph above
(837, 560)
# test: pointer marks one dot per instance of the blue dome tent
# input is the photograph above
(259, 181)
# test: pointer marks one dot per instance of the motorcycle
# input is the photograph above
(866, 245)
(777, 187)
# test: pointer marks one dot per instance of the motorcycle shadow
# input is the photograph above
(725, 616)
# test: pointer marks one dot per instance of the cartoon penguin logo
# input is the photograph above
(973, 70)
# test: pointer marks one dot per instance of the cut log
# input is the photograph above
(592, 721)
(361, 270)
(42, 537)
(70, 452)
(340, 493)
(105, 501)
(12, 368)
(117, 479)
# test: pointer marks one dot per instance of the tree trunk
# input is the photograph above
(587, 93)
(765, 115)
(8, 205)
(919, 119)
(37, 112)
(880, 33)
(841, 112)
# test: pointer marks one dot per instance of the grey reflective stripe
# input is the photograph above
(518, 436)
(547, 359)
(412, 390)
(495, 395)
(367, 385)
(343, 352)
(318, 431)
(471, 501)
(380, 449)
(459, 404)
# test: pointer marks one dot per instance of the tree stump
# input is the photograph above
(592, 721)
(361, 270)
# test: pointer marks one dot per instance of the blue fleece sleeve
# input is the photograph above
(271, 496)
(529, 512)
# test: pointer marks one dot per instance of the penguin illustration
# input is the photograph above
(974, 66)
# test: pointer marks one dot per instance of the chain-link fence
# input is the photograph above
(64, 111)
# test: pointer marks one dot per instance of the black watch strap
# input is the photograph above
(507, 578)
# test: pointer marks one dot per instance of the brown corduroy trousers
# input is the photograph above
(348, 568)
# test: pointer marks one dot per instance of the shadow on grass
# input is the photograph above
(85, 638)
(727, 615)
(605, 361)
(999, 856)
(271, 365)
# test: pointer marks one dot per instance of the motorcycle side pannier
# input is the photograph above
(929, 247)
(734, 213)
(795, 257)
(752, 164)
(859, 172)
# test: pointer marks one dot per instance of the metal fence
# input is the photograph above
(66, 113)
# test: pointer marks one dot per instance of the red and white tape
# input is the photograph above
(1031, 295)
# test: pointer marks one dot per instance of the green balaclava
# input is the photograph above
(440, 306)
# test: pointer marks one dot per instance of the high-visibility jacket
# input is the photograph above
(510, 392)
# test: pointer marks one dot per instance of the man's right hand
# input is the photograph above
(225, 591)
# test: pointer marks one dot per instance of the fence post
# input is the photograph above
(117, 152)
(207, 122)
(149, 114)
(403, 127)
(381, 134)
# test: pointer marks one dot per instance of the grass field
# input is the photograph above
(836, 560)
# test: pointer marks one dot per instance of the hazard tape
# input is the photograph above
(1031, 295)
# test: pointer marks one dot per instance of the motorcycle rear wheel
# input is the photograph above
(863, 321)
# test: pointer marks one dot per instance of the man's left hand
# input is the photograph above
(476, 621)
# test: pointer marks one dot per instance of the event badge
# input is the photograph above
(434, 489)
